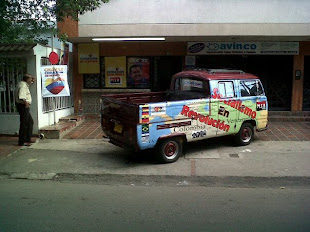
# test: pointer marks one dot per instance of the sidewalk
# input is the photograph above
(91, 129)
(262, 163)
(281, 154)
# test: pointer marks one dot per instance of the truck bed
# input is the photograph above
(120, 112)
(123, 109)
(137, 98)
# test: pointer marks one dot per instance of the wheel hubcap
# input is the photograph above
(171, 150)
(246, 134)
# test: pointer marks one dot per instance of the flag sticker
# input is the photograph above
(145, 114)
(158, 109)
(145, 128)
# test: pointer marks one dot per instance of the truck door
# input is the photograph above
(225, 109)
(254, 102)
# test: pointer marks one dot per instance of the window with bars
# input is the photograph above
(11, 73)
(95, 81)
(49, 103)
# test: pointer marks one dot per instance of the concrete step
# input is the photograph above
(64, 125)
(57, 131)
(278, 118)
(72, 117)
(287, 116)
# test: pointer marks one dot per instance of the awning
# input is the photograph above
(16, 47)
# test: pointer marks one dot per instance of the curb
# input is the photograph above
(166, 180)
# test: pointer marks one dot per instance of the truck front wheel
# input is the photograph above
(169, 150)
(245, 135)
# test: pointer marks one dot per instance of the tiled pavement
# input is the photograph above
(286, 131)
(91, 129)
(277, 131)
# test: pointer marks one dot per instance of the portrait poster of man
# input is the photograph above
(138, 73)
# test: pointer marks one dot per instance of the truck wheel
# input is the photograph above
(245, 134)
(169, 150)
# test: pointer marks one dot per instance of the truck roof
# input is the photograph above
(215, 74)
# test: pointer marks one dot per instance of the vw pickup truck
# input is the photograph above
(200, 104)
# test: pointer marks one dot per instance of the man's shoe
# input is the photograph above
(20, 144)
(27, 144)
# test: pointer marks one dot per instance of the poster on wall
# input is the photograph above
(65, 55)
(88, 58)
(190, 62)
(54, 81)
(115, 72)
(138, 70)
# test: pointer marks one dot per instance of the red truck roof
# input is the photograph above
(215, 74)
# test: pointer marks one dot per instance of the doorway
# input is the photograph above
(166, 67)
(275, 73)
(306, 94)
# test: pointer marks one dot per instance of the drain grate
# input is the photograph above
(233, 155)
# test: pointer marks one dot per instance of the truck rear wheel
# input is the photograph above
(245, 134)
(169, 150)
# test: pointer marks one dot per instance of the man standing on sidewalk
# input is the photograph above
(23, 102)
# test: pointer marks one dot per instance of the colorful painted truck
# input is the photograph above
(200, 104)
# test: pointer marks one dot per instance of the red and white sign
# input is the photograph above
(53, 58)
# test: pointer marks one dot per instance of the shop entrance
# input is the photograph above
(166, 67)
(306, 95)
(275, 73)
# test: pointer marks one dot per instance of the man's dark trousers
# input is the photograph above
(26, 124)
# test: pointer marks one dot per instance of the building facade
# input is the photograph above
(15, 61)
(270, 39)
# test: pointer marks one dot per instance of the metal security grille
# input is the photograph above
(11, 72)
(306, 96)
(95, 81)
(61, 102)
(279, 95)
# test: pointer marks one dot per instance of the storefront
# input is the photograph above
(283, 69)
(120, 65)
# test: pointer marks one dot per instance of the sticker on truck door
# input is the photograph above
(158, 109)
(145, 117)
(145, 135)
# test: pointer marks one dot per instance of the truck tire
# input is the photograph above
(169, 150)
(245, 134)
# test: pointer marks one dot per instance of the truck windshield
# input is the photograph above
(188, 88)
(251, 88)
(188, 84)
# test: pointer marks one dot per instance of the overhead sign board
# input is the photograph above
(243, 48)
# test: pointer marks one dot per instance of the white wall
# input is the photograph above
(9, 123)
(199, 20)
(45, 119)
(199, 11)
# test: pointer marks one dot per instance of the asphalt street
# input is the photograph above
(40, 206)
(79, 185)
